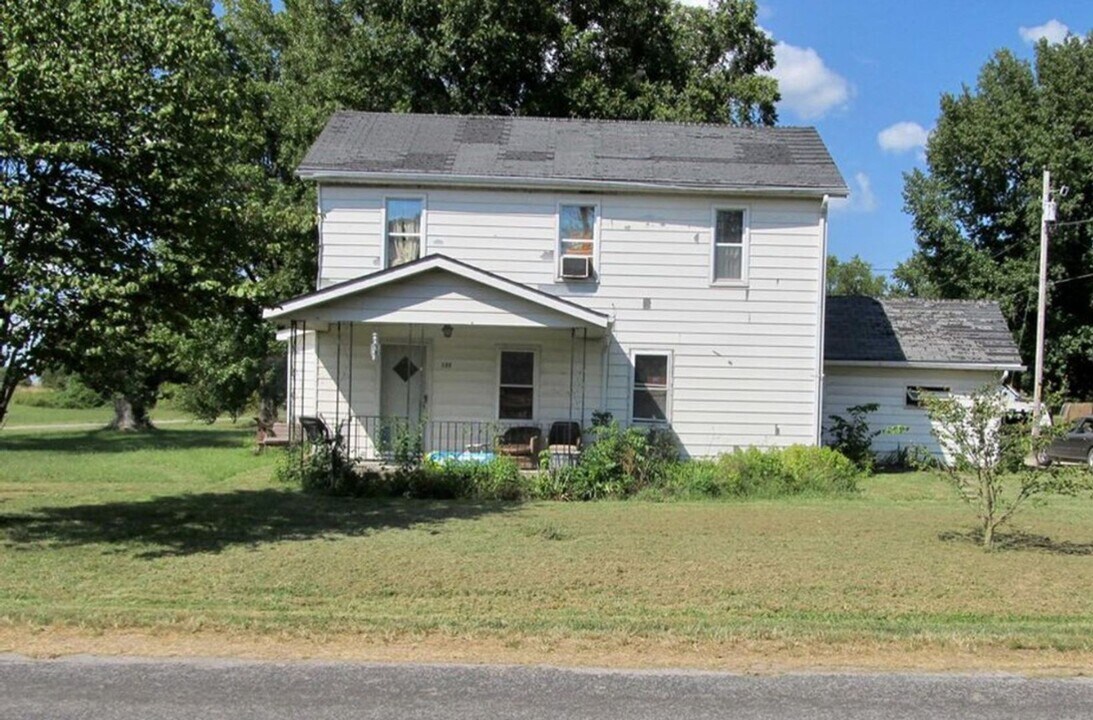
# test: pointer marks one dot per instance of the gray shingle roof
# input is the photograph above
(675, 154)
(911, 330)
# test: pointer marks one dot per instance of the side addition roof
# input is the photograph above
(567, 153)
(938, 333)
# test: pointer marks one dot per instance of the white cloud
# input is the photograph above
(902, 136)
(860, 200)
(1053, 31)
(809, 87)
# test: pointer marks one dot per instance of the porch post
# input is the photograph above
(349, 413)
(303, 374)
(338, 381)
(292, 384)
(572, 351)
(584, 372)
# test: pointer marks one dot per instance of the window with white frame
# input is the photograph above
(576, 241)
(516, 394)
(403, 231)
(728, 245)
(652, 381)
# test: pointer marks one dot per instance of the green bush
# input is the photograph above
(618, 463)
(70, 394)
(321, 469)
(796, 470)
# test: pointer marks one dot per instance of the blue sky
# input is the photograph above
(869, 75)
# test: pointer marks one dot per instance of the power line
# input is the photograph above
(1071, 279)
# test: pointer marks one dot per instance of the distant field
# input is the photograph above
(183, 536)
(22, 415)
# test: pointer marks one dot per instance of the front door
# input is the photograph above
(402, 383)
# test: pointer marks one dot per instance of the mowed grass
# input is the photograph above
(184, 530)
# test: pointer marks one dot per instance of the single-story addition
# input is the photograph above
(889, 351)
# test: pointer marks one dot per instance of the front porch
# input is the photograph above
(443, 361)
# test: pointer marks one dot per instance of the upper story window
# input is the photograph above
(403, 233)
(576, 241)
(730, 246)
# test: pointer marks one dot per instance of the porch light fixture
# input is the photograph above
(375, 348)
(447, 330)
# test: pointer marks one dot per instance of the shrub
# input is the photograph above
(853, 438)
(322, 468)
(618, 463)
(69, 393)
(796, 470)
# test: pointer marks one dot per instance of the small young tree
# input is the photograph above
(985, 458)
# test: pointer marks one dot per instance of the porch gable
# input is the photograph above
(437, 290)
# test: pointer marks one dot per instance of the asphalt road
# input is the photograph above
(107, 689)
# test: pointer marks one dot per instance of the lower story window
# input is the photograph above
(651, 384)
(516, 400)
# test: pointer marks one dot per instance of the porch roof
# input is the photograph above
(436, 289)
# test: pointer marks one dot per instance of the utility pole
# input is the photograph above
(1047, 215)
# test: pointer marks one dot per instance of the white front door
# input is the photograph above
(402, 382)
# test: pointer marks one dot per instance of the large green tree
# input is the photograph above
(648, 59)
(117, 126)
(976, 208)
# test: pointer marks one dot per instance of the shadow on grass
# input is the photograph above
(210, 522)
(108, 441)
(1017, 540)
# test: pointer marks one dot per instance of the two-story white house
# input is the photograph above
(485, 272)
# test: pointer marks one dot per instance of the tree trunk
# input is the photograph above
(267, 410)
(988, 535)
(7, 390)
(129, 415)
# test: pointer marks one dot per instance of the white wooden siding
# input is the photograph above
(744, 358)
(845, 387)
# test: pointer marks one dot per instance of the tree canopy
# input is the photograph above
(854, 277)
(150, 208)
(976, 208)
(117, 121)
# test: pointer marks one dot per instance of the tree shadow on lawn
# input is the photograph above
(108, 441)
(1017, 540)
(189, 524)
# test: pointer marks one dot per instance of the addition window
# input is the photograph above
(576, 241)
(915, 393)
(516, 399)
(403, 236)
(729, 240)
(652, 372)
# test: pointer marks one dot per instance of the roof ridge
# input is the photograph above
(620, 121)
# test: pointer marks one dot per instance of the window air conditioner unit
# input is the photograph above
(578, 267)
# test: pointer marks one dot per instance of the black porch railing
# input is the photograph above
(399, 440)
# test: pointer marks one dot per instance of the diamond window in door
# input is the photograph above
(406, 369)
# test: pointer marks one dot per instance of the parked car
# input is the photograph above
(1075, 446)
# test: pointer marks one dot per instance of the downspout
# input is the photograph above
(605, 362)
(820, 324)
(319, 229)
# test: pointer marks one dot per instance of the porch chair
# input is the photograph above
(564, 444)
(522, 444)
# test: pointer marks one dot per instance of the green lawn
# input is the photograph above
(185, 529)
